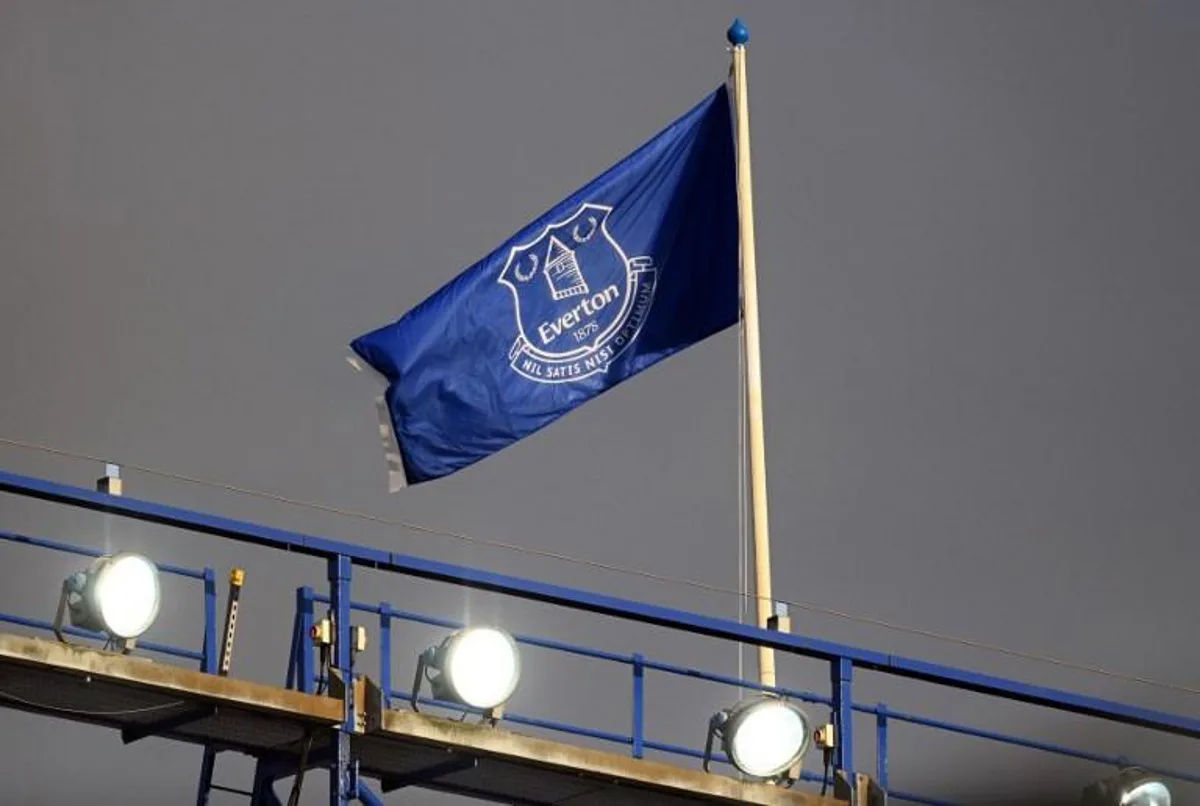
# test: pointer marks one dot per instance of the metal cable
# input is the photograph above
(80, 712)
(566, 558)
(742, 526)
(298, 781)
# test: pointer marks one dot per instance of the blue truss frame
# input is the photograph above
(340, 556)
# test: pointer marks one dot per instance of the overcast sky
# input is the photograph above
(978, 243)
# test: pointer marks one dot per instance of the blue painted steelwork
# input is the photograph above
(841, 676)
(211, 660)
(385, 651)
(206, 656)
(207, 764)
(588, 601)
(806, 696)
(794, 694)
(1017, 741)
(367, 796)
(87, 551)
(299, 644)
(305, 598)
(343, 782)
(451, 624)
(639, 704)
(881, 711)
(843, 659)
(881, 746)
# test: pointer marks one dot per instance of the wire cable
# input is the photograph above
(298, 781)
(742, 527)
(82, 712)
(637, 572)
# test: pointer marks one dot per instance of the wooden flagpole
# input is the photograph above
(738, 36)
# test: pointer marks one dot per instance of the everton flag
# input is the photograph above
(639, 264)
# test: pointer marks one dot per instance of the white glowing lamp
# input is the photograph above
(763, 737)
(117, 594)
(479, 667)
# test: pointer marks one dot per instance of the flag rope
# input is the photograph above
(566, 558)
(743, 514)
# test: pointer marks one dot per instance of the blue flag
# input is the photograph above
(639, 264)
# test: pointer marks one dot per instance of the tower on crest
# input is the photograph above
(562, 271)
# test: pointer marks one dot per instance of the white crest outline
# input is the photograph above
(597, 355)
(627, 298)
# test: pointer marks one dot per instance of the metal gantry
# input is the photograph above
(356, 742)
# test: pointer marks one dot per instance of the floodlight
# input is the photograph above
(1130, 787)
(764, 737)
(476, 666)
(117, 594)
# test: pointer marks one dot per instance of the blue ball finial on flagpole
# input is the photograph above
(738, 33)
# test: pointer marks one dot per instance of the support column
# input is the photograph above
(842, 678)
(639, 705)
(385, 653)
(881, 746)
(343, 784)
(304, 660)
(210, 662)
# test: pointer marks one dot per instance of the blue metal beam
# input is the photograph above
(841, 678)
(304, 655)
(385, 653)
(86, 551)
(639, 706)
(206, 775)
(881, 746)
(210, 660)
(367, 796)
(598, 603)
(450, 624)
(343, 783)
(146, 646)
(884, 714)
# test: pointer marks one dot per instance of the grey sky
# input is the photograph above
(978, 241)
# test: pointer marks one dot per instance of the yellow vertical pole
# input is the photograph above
(738, 36)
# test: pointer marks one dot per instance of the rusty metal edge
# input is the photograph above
(503, 745)
(168, 680)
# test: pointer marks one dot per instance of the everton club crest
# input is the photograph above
(579, 300)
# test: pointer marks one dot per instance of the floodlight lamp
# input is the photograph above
(763, 737)
(1130, 787)
(117, 594)
(479, 667)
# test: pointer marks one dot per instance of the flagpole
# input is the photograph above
(738, 35)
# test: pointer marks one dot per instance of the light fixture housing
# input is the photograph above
(1132, 786)
(117, 594)
(479, 667)
(764, 737)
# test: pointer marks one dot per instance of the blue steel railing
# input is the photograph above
(844, 660)
(206, 656)
(304, 677)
